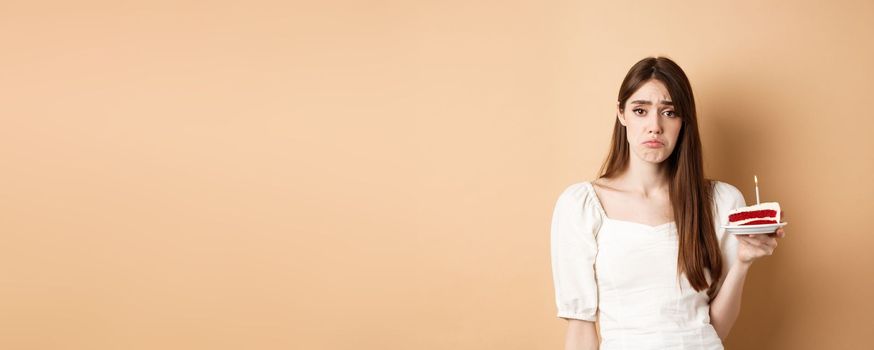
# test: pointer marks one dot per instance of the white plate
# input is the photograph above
(753, 229)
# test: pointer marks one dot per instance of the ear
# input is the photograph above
(619, 114)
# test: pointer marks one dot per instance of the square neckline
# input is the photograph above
(604, 213)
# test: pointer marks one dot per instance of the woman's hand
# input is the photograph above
(752, 247)
(725, 307)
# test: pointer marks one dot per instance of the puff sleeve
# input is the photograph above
(727, 198)
(575, 222)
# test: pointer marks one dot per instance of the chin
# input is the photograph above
(653, 158)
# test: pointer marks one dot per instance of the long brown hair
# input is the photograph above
(691, 194)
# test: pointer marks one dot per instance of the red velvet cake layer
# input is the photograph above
(759, 222)
(752, 214)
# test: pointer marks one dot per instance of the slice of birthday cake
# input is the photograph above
(759, 214)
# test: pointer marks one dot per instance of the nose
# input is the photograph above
(654, 126)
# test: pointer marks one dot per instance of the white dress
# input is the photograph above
(624, 274)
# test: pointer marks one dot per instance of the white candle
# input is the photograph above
(756, 179)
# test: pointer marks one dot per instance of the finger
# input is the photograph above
(754, 237)
(747, 239)
(769, 250)
(763, 250)
(750, 241)
(771, 244)
(762, 238)
(779, 233)
(759, 251)
(762, 242)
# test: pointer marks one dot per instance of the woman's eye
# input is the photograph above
(639, 111)
(670, 114)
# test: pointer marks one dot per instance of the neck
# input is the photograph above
(645, 178)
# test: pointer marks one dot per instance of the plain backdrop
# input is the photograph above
(382, 174)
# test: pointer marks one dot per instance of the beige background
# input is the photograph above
(381, 175)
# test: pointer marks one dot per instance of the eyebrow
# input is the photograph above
(646, 102)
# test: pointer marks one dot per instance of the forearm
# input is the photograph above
(581, 335)
(725, 307)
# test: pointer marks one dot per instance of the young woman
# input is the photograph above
(640, 249)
